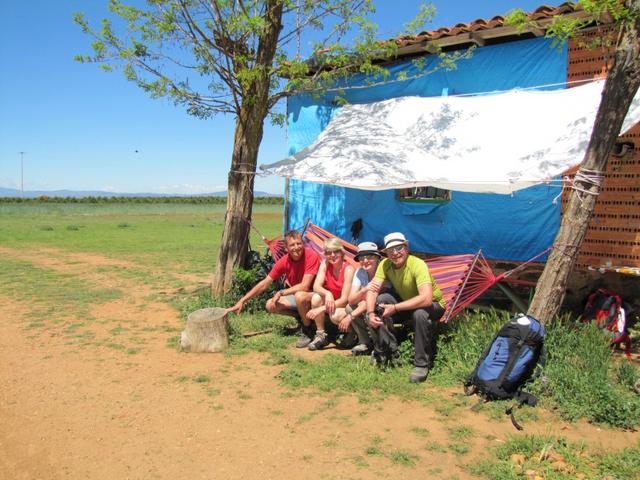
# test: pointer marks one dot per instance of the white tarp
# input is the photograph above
(489, 143)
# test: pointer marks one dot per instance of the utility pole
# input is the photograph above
(21, 174)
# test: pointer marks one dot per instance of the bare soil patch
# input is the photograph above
(118, 403)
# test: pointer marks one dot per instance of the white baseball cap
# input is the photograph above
(394, 239)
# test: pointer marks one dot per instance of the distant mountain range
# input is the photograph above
(12, 192)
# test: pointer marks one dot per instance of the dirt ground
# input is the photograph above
(93, 411)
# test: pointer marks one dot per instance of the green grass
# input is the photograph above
(419, 431)
(173, 236)
(461, 433)
(459, 448)
(460, 344)
(404, 458)
(554, 458)
(340, 373)
(49, 294)
(580, 378)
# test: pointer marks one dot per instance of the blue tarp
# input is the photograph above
(510, 227)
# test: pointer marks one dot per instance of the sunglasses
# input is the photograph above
(396, 249)
(329, 253)
(370, 258)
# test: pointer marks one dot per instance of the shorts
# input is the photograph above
(291, 301)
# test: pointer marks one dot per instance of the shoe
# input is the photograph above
(305, 338)
(419, 374)
(320, 341)
(360, 349)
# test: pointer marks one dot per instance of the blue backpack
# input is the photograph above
(509, 362)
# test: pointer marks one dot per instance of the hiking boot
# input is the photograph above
(320, 341)
(360, 349)
(305, 337)
(419, 374)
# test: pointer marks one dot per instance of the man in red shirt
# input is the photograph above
(299, 268)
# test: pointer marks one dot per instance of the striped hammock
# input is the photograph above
(461, 278)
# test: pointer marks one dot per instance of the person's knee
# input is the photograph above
(386, 298)
(302, 297)
(316, 300)
(270, 306)
(421, 317)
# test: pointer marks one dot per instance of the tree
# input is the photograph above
(230, 57)
(620, 88)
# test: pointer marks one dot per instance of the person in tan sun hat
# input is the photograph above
(368, 256)
(415, 301)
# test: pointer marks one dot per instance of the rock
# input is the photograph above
(555, 457)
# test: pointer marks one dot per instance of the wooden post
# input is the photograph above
(206, 331)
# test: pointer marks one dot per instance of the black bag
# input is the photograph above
(509, 362)
(385, 345)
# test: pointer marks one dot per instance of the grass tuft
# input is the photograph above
(556, 458)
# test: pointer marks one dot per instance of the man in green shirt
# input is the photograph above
(415, 300)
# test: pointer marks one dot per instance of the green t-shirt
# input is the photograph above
(407, 279)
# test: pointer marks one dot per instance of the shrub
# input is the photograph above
(579, 376)
(244, 279)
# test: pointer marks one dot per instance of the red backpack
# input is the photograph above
(605, 308)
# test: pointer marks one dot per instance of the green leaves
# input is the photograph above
(425, 15)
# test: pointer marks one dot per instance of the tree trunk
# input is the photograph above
(620, 88)
(235, 236)
(247, 138)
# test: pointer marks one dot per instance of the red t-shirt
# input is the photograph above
(294, 271)
(333, 284)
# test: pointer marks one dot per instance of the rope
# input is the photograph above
(524, 265)
(584, 176)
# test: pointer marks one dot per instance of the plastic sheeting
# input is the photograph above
(511, 227)
(490, 143)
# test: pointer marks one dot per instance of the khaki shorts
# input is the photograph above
(291, 301)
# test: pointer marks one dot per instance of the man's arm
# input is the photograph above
(259, 287)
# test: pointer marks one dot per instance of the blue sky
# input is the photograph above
(84, 129)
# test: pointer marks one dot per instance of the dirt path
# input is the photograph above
(74, 410)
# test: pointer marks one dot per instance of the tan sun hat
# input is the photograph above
(367, 248)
